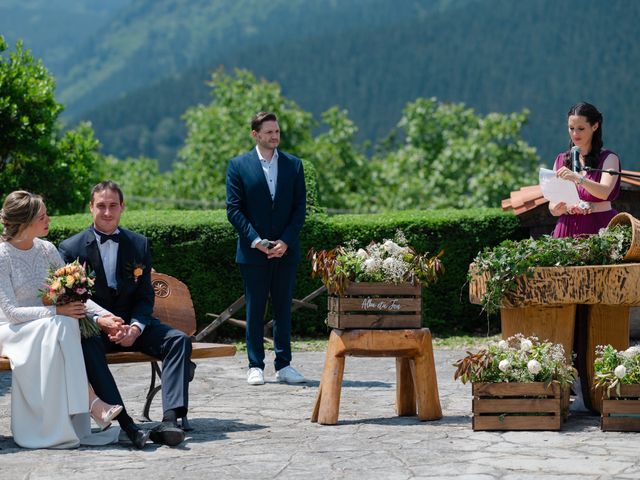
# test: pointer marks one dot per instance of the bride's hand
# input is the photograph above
(72, 309)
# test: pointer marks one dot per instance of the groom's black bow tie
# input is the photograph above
(115, 237)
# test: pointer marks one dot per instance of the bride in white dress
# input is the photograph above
(49, 390)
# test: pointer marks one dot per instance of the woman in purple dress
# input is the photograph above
(596, 189)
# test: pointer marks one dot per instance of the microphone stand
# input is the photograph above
(612, 172)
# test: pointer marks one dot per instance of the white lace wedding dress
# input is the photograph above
(49, 389)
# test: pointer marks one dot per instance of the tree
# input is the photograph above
(452, 157)
(34, 155)
(219, 131)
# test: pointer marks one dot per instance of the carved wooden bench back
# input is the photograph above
(173, 304)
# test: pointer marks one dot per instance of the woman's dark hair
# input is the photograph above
(18, 212)
(593, 116)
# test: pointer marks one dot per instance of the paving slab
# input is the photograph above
(264, 432)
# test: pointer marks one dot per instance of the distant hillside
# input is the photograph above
(494, 55)
(53, 28)
(155, 39)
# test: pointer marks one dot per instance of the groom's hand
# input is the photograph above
(111, 324)
(278, 250)
(131, 335)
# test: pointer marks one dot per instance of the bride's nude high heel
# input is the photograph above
(101, 412)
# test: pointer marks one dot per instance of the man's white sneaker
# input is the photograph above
(255, 376)
(289, 375)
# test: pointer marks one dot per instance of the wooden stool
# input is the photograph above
(417, 385)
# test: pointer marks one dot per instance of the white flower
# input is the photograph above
(371, 264)
(362, 254)
(631, 352)
(620, 371)
(503, 345)
(504, 365)
(525, 345)
(534, 367)
(394, 268)
(391, 247)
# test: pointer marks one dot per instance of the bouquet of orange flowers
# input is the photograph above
(71, 283)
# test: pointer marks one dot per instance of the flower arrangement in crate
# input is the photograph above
(520, 383)
(517, 359)
(391, 261)
(618, 374)
(614, 368)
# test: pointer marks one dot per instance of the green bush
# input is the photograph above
(198, 247)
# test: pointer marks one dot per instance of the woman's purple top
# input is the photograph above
(574, 225)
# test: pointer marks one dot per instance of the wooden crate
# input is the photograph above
(621, 412)
(519, 406)
(377, 305)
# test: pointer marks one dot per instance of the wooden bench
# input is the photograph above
(174, 307)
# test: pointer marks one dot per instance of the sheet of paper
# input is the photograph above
(557, 189)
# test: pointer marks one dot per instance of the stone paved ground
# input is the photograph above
(244, 432)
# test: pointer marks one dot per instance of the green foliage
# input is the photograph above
(613, 368)
(221, 130)
(33, 155)
(343, 173)
(507, 262)
(198, 247)
(493, 55)
(452, 157)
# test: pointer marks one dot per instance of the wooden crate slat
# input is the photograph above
(336, 320)
(620, 406)
(516, 405)
(377, 304)
(537, 422)
(377, 288)
(515, 389)
(631, 391)
(620, 424)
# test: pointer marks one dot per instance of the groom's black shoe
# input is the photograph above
(137, 436)
(167, 433)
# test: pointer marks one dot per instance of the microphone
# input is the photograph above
(575, 159)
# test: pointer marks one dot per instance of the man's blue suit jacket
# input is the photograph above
(134, 298)
(252, 212)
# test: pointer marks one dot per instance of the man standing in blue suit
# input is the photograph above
(266, 203)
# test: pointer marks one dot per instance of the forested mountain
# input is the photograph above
(53, 28)
(155, 39)
(135, 77)
(494, 55)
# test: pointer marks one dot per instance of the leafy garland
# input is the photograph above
(512, 259)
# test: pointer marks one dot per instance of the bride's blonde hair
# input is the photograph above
(20, 208)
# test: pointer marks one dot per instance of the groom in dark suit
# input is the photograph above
(266, 203)
(121, 260)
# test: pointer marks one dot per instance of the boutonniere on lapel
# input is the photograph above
(135, 270)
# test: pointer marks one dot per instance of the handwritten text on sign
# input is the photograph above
(375, 304)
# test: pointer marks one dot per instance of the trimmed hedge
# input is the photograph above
(198, 247)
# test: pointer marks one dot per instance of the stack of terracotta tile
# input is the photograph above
(525, 199)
